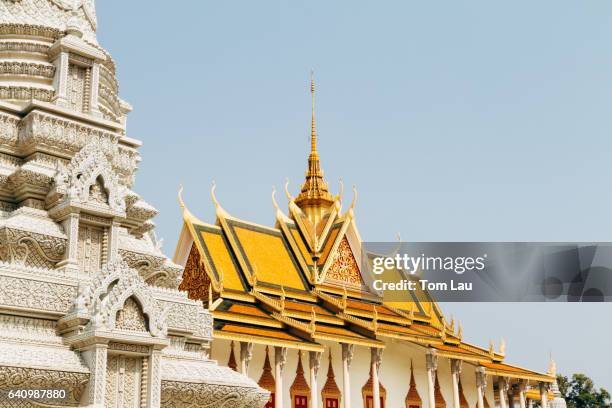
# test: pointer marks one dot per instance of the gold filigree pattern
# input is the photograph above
(344, 269)
(195, 279)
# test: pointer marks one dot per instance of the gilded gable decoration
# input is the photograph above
(344, 269)
(196, 281)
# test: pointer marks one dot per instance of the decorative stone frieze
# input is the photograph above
(26, 68)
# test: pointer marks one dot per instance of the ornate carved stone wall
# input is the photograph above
(88, 301)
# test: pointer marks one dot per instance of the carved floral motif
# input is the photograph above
(344, 268)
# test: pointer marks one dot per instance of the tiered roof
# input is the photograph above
(299, 283)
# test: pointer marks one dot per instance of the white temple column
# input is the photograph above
(432, 367)
(96, 359)
(113, 242)
(456, 366)
(60, 82)
(543, 395)
(347, 358)
(502, 385)
(481, 385)
(376, 360)
(94, 91)
(315, 365)
(246, 355)
(530, 403)
(71, 227)
(280, 359)
(522, 388)
(154, 378)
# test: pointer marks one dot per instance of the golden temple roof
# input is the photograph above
(300, 282)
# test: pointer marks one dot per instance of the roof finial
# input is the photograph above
(314, 198)
(313, 128)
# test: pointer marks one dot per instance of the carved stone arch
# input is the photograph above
(150, 308)
(90, 163)
(109, 291)
(100, 285)
(130, 317)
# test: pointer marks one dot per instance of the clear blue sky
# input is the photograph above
(466, 121)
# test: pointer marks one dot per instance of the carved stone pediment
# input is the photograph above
(103, 299)
(90, 179)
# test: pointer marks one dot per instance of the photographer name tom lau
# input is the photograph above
(413, 264)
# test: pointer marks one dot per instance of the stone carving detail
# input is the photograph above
(26, 68)
(344, 268)
(52, 13)
(22, 46)
(25, 92)
(31, 249)
(64, 135)
(77, 85)
(123, 381)
(36, 294)
(28, 330)
(75, 180)
(132, 348)
(108, 292)
(130, 318)
(188, 395)
(97, 193)
(153, 269)
(191, 317)
(8, 130)
(30, 378)
(89, 248)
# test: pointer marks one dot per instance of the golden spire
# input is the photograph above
(313, 126)
(314, 198)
